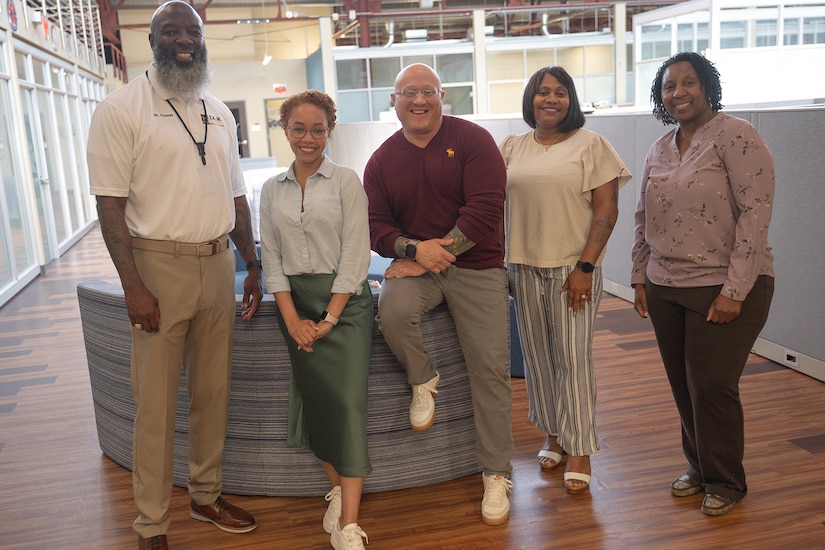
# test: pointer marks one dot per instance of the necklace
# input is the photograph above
(546, 147)
(201, 145)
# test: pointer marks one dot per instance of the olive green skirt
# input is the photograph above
(328, 387)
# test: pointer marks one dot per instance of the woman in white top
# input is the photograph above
(316, 253)
(562, 202)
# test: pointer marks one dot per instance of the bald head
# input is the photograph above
(171, 9)
(417, 72)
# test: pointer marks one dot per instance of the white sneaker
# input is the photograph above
(422, 407)
(351, 537)
(495, 506)
(333, 510)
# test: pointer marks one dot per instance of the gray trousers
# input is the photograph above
(704, 362)
(479, 303)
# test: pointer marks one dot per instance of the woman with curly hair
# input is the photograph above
(702, 267)
(316, 252)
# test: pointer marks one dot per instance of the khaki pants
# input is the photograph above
(197, 304)
(480, 306)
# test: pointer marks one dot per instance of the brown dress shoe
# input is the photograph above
(224, 516)
(153, 543)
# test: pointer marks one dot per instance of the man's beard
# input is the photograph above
(185, 80)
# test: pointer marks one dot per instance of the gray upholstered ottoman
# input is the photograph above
(256, 459)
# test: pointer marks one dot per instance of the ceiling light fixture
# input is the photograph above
(267, 57)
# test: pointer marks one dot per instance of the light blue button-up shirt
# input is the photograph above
(330, 234)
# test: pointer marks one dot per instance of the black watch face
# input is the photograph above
(410, 251)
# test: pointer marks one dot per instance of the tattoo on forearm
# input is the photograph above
(400, 245)
(461, 243)
(604, 227)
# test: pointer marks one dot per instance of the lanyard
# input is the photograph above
(200, 145)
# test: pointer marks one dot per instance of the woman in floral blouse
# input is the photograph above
(702, 267)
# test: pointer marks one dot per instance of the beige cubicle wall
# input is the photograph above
(793, 333)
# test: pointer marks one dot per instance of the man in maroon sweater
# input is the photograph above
(436, 194)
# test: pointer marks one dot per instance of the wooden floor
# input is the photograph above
(57, 490)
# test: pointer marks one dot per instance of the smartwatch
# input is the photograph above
(326, 316)
(586, 267)
(409, 252)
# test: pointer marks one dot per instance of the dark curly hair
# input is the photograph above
(708, 76)
(314, 97)
(574, 118)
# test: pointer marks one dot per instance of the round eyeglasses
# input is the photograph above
(300, 131)
(412, 93)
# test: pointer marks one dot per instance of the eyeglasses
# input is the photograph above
(300, 131)
(412, 93)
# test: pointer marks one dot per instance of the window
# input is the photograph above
(383, 71)
(813, 30)
(352, 74)
(765, 31)
(702, 38)
(791, 33)
(733, 34)
(685, 41)
(655, 41)
(455, 67)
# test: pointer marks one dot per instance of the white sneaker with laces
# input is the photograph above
(333, 510)
(495, 506)
(422, 407)
(351, 537)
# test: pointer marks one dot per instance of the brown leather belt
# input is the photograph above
(182, 249)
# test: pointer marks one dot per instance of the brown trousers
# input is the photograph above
(704, 362)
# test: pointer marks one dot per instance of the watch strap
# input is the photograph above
(586, 267)
(329, 318)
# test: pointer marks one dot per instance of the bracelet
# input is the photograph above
(253, 263)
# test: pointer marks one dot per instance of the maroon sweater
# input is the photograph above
(459, 179)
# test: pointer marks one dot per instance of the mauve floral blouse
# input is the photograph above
(702, 220)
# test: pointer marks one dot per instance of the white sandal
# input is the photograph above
(575, 489)
(552, 455)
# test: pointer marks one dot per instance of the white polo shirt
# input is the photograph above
(138, 148)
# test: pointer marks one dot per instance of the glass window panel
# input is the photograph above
(38, 71)
(505, 65)
(352, 73)
(791, 32)
(455, 67)
(599, 59)
(380, 101)
(572, 59)
(597, 89)
(458, 100)
(702, 37)
(655, 41)
(813, 30)
(353, 107)
(505, 97)
(65, 139)
(20, 61)
(56, 178)
(765, 32)
(732, 34)
(684, 37)
(57, 81)
(384, 70)
(425, 59)
(19, 251)
(538, 59)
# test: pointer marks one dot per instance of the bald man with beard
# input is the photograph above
(163, 163)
